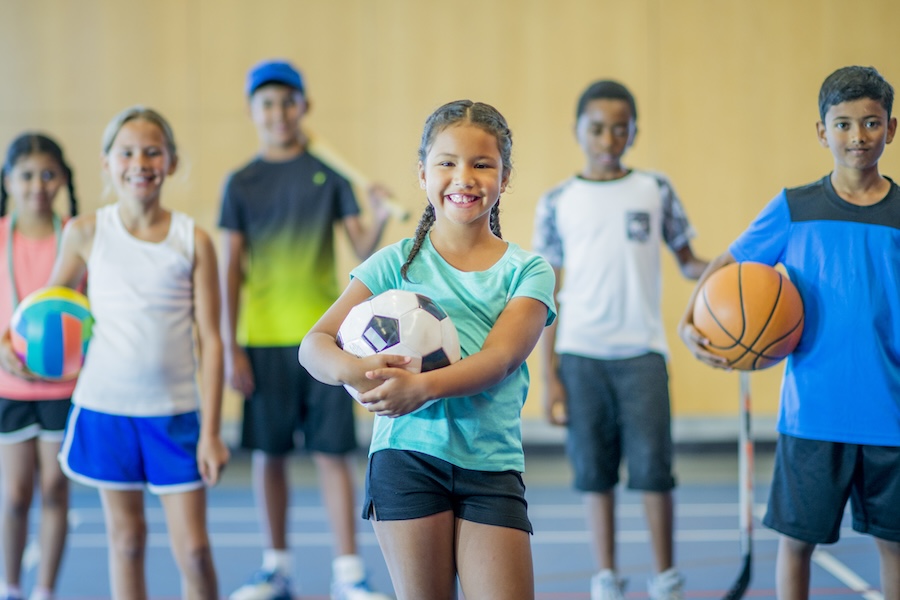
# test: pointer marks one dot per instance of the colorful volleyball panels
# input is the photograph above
(50, 331)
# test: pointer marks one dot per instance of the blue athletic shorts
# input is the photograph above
(22, 420)
(813, 480)
(618, 408)
(401, 485)
(131, 453)
(287, 399)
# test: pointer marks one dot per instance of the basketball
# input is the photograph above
(751, 314)
(50, 330)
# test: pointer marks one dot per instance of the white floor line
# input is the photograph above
(845, 575)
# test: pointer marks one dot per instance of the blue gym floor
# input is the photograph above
(707, 536)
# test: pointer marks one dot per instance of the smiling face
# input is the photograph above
(276, 111)
(33, 183)
(856, 132)
(138, 161)
(605, 130)
(463, 174)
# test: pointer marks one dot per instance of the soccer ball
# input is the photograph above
(404, 323)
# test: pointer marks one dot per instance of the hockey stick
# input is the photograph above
(327, 153)
(745, 493)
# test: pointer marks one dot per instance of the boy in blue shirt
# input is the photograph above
(839, 419)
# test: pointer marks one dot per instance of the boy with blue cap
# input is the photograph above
(278, 216)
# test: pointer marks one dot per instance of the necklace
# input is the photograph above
(57, 228)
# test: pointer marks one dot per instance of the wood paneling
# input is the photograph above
(726, 92)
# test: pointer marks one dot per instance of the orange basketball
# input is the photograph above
(751, 314)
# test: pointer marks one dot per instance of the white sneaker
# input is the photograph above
(605, 585)
(360, 590)
(264, 585)
(668, 585)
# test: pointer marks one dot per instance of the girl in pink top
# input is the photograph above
(32, 413)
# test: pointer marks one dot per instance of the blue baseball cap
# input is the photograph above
(274, 71)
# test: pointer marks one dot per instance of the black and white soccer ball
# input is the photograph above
(404, 323)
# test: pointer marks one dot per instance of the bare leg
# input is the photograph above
(126, 530)
(792, 568)
(890, 568)
(271, 489)
(494, 563)
(186, 522)
(658, 507)
(601, 518)
(54, 513)
(335, 481)
(420, 556)
(18, 463)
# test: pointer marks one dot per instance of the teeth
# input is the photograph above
(459, 198)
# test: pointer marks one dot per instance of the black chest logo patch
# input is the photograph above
(637, 226)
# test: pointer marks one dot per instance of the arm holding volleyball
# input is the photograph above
(68, 270)
(692, 338)
(212, 454)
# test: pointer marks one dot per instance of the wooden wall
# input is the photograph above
(726, 91)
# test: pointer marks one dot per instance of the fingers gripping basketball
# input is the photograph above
(751, 314)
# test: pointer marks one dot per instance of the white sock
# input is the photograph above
(277, 560)
(41, 593)
(12, 590)
(348, 568)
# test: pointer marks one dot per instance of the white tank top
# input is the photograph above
(141, 359)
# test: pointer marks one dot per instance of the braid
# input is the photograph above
(73, 199)
(495, 219)
(3, 194)
(422, 230)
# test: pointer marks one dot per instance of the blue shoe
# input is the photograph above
(264, 585)
(360, 590)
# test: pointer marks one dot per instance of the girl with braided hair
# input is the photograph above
(32, 413)
(444, 485)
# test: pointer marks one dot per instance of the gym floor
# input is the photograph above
(707, 535)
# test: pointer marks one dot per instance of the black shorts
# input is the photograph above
(22, 420)
(618, 408)
(287, 399)
(813, 480)
(401, 485)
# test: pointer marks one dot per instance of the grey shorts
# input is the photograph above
(813, 480)
(618, 408)
(402, 484)
(288, 399)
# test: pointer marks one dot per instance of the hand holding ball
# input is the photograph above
(50, 330)
(404, 323)
(751, 314)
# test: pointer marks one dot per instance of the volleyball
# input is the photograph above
(401, 322)
(751, 314)
(50, 331)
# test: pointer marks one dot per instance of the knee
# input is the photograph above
(198, 561)
(17, 500)
(888, 548)
(796, 548)
(55, 493)
(129, 543)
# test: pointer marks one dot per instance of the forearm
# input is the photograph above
(470, 376)
(211, 374)
(367, 238)
(713, 266)
(320, 355)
